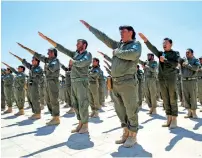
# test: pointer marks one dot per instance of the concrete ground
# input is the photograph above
(21, 137)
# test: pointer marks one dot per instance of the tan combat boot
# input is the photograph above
(55, 121)
(96, 114)
(124, 136)
(194, 116)
(9, 110)
(84, 129)
(173, 122)
(35, 116)
(131, 140)
(71, 111)
(77, 128)
(168, 122)
(21, 112)
(92, 113)
(150, 111)
(154, 111)
(189, 114)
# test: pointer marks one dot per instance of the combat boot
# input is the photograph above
(71, 111)
(189, 114)
(173, 122)
(131, 140)
(96, 114)
(84, 129)
(154, 111)
(35, 116)
(9, 110)
(150, 111)
(168, 122)
(92, 113)
(124, 136)
(55, 121)
(77, 128)
(194, 116)
(21, 112)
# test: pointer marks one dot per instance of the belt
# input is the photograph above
(200, 77)
(118, 79)
(188, 78)
(78, 79)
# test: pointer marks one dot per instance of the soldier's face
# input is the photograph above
(189, 54)
(80, 46)
(95, 63)
(34, 62)
(200, 60)
(149, 57)
(167, 45)
(51, 54)
(20, 69)
(7, 71)
(126, 35)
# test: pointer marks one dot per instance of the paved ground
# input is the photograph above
(21, 137)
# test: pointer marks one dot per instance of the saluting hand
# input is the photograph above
(101, 53)
(162, 58)
(85, 23)
(42, 35)
(20, 45)
(143, 37)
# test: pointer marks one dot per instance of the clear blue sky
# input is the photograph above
(60, 20)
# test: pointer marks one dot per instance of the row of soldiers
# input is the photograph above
(122, 80)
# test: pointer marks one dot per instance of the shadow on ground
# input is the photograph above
(180, 134)
(198, 124)
(154, 117)
(75, 141)
(135, 151)
(68, 115)
(95, 120)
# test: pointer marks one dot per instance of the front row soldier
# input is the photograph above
(200, 82)
(126, 54)
(189, 68)
(140, 75)
(68, 87)
(81, 60)
(35, 75)
(93, 87)
(8, 89)
(150, 68)
(52, 71)
(167, 78)
(19, 92)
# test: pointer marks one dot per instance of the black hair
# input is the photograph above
(84, 42)
(9, 70)
(150, 54)
(191, 50)
(169, 40)
(96, 59)
(129, 28)
(138, 66)
(22, 67)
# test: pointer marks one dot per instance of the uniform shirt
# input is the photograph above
(168, 67)
(200, 71)
(126, 55)
(67, 75)
(94, 74)
(189, 70)
(19, 80)
(150, 70)
(81, 62)
(8, 80)
(140, 75)
(52, 66)
(35, 73)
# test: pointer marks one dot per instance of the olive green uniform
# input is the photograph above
(67, 85)
(189, 82)
(2, 91)
(19, 92)
(79, 81)
(179, 85)
(150, 82)
(101, 87)
(93, 88)
(200, 84)
(8, 85)
(167, 78)
(140, 75)
(125, 84)
(52, 71)
(35, 75)
(41, 90)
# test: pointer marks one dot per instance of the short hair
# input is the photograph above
(138, 66)
(191, 50)
(150, 54)
(83, 41)
(22, 67)
(96, 59)
(168, 39)
(36, 60)
(9, 70)
(54, 51)
(129, 28)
